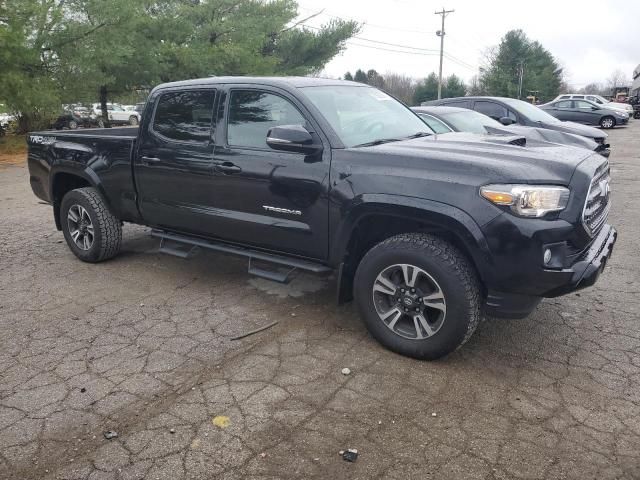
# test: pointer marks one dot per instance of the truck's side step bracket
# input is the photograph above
(176, 251)
(275, 275)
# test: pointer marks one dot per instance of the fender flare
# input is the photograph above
(440, 215)
(85, 173)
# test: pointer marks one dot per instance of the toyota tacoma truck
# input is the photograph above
(426, 232)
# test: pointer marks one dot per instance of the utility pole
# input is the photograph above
(521, 72)
(440, 33)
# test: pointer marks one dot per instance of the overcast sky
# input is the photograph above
(590, 38)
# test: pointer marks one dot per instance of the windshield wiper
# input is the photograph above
(380, 141)
(420, 134)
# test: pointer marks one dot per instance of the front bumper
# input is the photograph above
(516, 295)
(590, 264)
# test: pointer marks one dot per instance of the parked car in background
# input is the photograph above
(600, 100)
(76, 119)
(139, 107)
(453, 119)
(117, 114)
(510, 110)
(586, 112)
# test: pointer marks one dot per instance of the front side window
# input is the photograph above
(185, 116)
(583, 105)
(252, 113)
(491, 109)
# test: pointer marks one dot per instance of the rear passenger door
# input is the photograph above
(564, 110)
(266, 198)
(173, 165)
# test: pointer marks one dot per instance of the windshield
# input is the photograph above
(363, 115)
(471, 121)
(532, 112)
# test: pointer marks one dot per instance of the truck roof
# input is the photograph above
(283, 82)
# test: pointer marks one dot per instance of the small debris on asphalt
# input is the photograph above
(221, 421)
(263, 454)
(173, 430)
(434, 414)
(346, 371)
(293, 314)
(257, 330)
(82, 390)
(142, 304)
(350, 455)
(110, 434)
(379, 422)
(316, 459)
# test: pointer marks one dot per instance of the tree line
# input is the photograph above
(62, 51)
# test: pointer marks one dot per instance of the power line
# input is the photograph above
(430, 50)
(425, 54)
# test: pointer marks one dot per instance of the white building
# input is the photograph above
(635, 86)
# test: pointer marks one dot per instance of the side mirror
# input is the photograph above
(594, 108)
(506, 121)
(292, 138)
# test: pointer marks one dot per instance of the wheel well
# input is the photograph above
(62, 184)
(374, 229)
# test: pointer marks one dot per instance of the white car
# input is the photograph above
(117, 114)
(625, 107)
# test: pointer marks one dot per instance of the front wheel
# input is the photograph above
(636, 114)
(133, 120)
(607, 122)
(92, 232)
(418, 295)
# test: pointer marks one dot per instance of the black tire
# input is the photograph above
(72, 124)
(607, 122)
(107, 229)
(636, 114)
(453, 274)
(133, 120)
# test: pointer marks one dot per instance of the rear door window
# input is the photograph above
(566, 104)
(457, 103)
(185, 116)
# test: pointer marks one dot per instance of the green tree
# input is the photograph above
(360, 76)
(348, 76)
(55, 51)
(426, 89)
(375, 79)
(453, 87)
(517, 55)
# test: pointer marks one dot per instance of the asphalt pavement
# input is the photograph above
(143, 346)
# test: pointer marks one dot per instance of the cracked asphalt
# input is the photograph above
(142, 345)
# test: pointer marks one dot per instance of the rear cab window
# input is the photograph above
(185, 116)
(493, 110)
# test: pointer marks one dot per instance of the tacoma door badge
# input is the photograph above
(281, 210)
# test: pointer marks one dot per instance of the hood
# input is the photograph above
(480, 158)
(553, 136)
(575, 128)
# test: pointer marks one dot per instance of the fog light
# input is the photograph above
(547, 256)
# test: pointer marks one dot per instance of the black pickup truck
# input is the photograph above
(427, 232)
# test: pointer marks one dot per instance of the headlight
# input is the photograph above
(527, 200)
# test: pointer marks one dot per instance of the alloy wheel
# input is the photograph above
(80, 227)
(409, 301)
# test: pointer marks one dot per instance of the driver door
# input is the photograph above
(266, 198)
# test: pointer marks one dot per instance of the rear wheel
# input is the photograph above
(92, 232)
(418, 295)
(607, 122)
(133, 120)
(73, 124)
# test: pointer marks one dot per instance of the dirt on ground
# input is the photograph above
(143, 346)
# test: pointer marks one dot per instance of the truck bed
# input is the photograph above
(102, 156)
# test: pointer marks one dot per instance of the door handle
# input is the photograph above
(226, 167)
(150, 160)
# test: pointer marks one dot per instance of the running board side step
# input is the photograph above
(277, 276)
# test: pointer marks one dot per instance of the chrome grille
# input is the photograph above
(596, 207)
